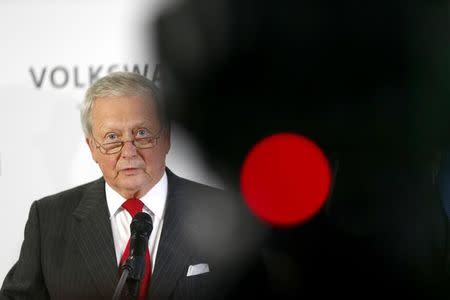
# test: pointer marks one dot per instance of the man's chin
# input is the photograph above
(135, 180)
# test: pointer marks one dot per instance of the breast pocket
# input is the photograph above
(199, 287)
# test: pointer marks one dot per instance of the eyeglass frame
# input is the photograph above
(101, 147)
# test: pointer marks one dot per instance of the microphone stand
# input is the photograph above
(120, 285)
(132, 273)
(133, 269)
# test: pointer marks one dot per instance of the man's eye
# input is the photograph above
(111, 137)
(142, 133)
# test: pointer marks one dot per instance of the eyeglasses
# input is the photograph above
(116, 147)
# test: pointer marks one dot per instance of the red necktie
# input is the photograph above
(133, 206)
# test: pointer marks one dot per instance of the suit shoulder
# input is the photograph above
(70, 195)
(189, 185)
(201, 186)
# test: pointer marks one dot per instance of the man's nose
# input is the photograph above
(129, 149)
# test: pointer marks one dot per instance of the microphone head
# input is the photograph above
(141, 224)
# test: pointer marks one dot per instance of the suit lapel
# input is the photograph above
(94, 238)
(173, 254)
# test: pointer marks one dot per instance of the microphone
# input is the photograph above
(134, 267)
(141, 226)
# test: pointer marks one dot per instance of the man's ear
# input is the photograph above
(91, 147)
(167, 133)
(88, 142)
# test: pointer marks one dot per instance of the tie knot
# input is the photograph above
(133, 206)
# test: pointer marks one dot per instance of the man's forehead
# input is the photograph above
(124, 113)
(126, 123)
(121, 106)
(123, 100)
(146, 122)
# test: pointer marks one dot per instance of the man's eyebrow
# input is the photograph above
(112, 127)
(105, 128)
(147, 123)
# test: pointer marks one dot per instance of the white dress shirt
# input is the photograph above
(154, 204)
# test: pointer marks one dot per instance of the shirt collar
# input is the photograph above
(154, 200)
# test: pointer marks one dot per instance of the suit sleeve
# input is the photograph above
(25, 279)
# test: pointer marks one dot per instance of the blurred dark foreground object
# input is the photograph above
(368, 82)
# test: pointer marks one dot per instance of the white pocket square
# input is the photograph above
(197, 269)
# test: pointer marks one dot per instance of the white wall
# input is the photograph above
(50, 52)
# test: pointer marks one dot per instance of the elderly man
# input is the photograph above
(76, 241)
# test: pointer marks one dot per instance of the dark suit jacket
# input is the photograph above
(68, 250)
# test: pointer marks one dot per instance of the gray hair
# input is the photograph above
(118, 84)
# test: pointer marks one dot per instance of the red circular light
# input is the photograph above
(285, 179)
